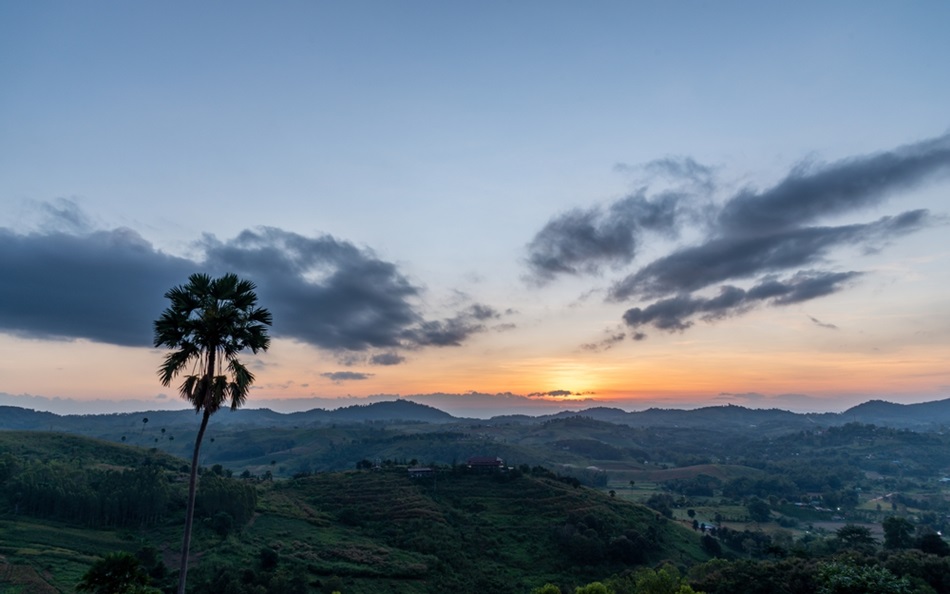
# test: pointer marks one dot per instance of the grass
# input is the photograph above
(54, 553)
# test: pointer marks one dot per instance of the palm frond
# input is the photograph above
(191, 388)
(218, 393)
(241, 383)
(174, 362)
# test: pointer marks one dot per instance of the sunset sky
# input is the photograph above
(501, 206)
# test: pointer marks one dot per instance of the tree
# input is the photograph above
(116, 573)
(208, 323)
(856, 537)
(898, 533)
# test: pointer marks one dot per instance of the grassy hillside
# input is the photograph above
(358, 532)
(37, 445)
(456, 530)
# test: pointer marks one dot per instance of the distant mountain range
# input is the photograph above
(927, 415)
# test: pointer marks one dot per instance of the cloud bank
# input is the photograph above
(108, 286)
(105, 286)
(757, 248)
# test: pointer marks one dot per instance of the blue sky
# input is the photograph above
(458, 153)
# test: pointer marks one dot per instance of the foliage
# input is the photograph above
(94, 497)
(898, 533)
(593, 588)
(116, 573)
(721, 576)
(218, 494)
(921, 568)
(932, 543)
(856, 537)
(209, 322)
(665, 580)
(845, 578)
(662, 503)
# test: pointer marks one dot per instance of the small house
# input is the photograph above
(486, 464)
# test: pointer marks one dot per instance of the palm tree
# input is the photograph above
(209, 321)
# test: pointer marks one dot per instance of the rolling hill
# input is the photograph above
(365, 531)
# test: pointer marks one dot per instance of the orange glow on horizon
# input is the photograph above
(669, 374)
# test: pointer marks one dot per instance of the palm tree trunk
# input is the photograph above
(190, 512)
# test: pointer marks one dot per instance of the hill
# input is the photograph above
(362, 531)
(889, 414)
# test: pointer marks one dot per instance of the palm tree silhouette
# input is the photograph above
(209, 322)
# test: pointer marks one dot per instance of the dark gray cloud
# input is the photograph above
(585, 241)
(332, 294)
(108, 286)
(582, 241)
(322, 291)
(105, 286)
(679, 313)
(811, 192)
(345, 376)
(728, 258)
(386, 359)
(752, 237)
(450, 331)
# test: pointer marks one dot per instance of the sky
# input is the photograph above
(488, 207)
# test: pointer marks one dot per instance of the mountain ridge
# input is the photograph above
(878, 412)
